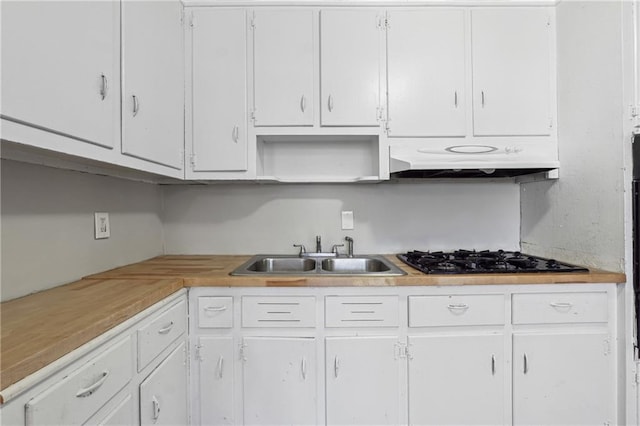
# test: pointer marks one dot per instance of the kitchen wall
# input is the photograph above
(389, 217)
(48, 230)
(580, 217)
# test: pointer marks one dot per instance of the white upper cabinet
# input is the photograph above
(61, 67)
(426, 72)
(283, 67)
(512, 51)
(153, 83)
(351, 58)
(218, 90)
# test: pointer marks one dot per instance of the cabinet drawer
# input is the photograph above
(278, 311)
(80, 395)
(361, 311)
(553, 308)
(476, 309)
(215, 312)
(154, 337)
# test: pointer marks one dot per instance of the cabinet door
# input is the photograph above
(61, 67)
(456, 371)
(362, 381)
(563, 379)
(279, 381)
(216, 380)
(283, 67)
(350, 58)
(219, 67)
(426, 72)
(511, 71)
(153, 83)
(163, 394)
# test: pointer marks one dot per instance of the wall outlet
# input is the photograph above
(102, 226)
(347, 220)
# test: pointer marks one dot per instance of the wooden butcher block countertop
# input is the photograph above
(213, 270)
(42, 327)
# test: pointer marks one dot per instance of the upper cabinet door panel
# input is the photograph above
(351, 61)
(61, 67)
(219, 90)
(426, 72)
(153, 84)
(283, 67)
(511, 51)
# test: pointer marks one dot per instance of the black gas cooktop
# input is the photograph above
(483, 262)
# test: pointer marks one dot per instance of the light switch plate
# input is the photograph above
(347, 220)
(102, 226)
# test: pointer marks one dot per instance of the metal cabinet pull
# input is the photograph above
(167, 328)
(303, 367)
(303, 103)
(84, 392)
(455, 99)
(336, 366)
(156, 407)
(220, 366)
(215, 308)
(235, 134)
(561, 305)
(105, 86)
(526, 364)
(493, 365)
(136, 105)
(457, 306)
(330, 103)
(482, 95)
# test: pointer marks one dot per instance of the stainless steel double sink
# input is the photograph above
(369, 265)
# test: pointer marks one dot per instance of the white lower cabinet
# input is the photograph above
(448, 372)
(163, 396)
(564, 378)
(279, 380)
(216, 363)
(362, 380)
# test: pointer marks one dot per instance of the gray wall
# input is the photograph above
(580, 218)
(47, 225)
(389, 218)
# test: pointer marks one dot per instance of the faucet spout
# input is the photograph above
(318, 244)
(349, 241)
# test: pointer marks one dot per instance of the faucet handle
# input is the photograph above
(334, 249)
(303, 250)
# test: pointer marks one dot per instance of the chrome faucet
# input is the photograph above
(318, 244)
(349, 241)
(302, 248)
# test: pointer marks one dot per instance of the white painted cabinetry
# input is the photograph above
(153, 81)
(511, 56)
(218, 92)
(216, 358)
(283, 67)
(426, 77)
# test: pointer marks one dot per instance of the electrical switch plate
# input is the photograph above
(347, 220)
(102, 227)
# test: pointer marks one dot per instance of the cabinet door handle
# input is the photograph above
(220, 366)
(336, 366)
(561, 305)
(235, 134)
(330, 103)
(455, 99)
(482, 96)
(105, 86)
(136, 105)
(167, 328)
(457, 306)
(493, 365)
(84, 392)
(526, 364)
(303, 367)
(156, 408)
(303, 103)
(215, 308)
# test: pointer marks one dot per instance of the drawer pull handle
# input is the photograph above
(215, 308)
(458, 307)
(303, 367)
(235, 134)
(136, 105)
(167, 328)
(336, 366)
(156, 408)
(303, 103)
(455, 99)
(330, 103)
(105, 87)
(493, 365)
(561, 305)
(526, 364)
(82, 393)
(220, 366)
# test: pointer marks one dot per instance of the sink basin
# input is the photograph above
(355, 265)
(293, 265)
